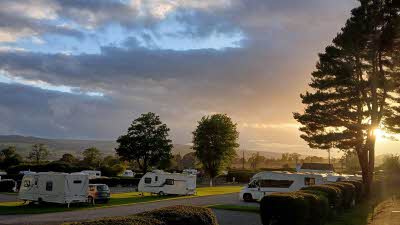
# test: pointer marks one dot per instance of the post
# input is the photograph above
(329, 156)
(243, 161)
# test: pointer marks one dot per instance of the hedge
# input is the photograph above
(117, 181)
(52, 166)
(349, 193)
(175, 215)
(360, 189)
(7, 185)
(318, 206)
(284, 208)
(333, 194)
(128, 220)
(183, 215)
(241, 176)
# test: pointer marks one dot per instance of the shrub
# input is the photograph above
(360, 189)
(116, 181)
(284, 208)
(183, 215)
(333, 194)
(349, 193)
(128, 220)
(318, 207)
(52, 166)
(7, 185)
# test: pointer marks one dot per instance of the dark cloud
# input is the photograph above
(257, 83)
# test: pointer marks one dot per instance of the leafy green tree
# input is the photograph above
(189, 161)
(39, 153)
(68, 158)
(146, 142)
(9, 157)
(391, 164)
(215, 141)
(356, 85)
(92, 157)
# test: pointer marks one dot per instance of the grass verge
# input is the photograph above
(118, 199)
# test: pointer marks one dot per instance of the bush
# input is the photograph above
(183, 215)
(116, 181)
(284, 208)
(360, 189)
(52, 166)
(333, 194)
(128, 220)
(349, 193)
(7, 185)
(241, 176)
(318, 207)
(175, 215)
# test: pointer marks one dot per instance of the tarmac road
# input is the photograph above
(60, 217)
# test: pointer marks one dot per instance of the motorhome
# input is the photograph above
(53, 187)
(128, 173)
(315, 168)
(163, 183)
(268, 182)
(93, 174)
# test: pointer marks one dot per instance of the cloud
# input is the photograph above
(256, 83)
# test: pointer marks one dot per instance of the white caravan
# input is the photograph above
(268, 182)
(128, 173)
(163, 183)
(53, 187)
(93, 174)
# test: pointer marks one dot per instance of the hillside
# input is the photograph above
(58, 147)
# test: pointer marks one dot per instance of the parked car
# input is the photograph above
(93, 174)
(98, 193)
(128, 173)
(8, 185)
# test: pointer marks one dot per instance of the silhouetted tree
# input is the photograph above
(215, 141)
(38, 153)
(9, 157)
(356, 85)
(92, 157)
(146, 142)
(68, 158)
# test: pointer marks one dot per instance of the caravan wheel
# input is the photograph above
(247, 197)
(161, 193)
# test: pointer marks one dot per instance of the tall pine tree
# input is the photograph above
(356, 85)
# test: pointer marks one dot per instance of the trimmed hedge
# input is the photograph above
(116, 181)
(349, 193)
(52, 166)
(318, 206)
(175, 215)
(284, 208)
(333, 194)
(128, 220)
(360, 189)
(183, 215)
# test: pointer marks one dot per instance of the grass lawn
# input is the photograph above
(240, 208)
(116, 200)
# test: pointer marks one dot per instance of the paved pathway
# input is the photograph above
(60, 217)
(8, 197)
(226, 217)
(387, 213)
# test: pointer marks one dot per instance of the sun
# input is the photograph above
(380, 134)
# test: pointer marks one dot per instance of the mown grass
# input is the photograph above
(240, 208)
(117, 199)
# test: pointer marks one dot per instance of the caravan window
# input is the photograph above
(169, 181)
(49, 186)
(77, 182)
(147, 180)
(27, 183)
(156, 179)
(276, 183)
(309, 181)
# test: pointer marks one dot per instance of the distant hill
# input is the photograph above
(60, 146)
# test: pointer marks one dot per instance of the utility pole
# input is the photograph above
(243, 161)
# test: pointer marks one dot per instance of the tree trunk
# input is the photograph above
(211, 181)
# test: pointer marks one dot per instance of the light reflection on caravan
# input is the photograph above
(265, 183)
(163, 183)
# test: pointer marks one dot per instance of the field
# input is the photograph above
(119, 199)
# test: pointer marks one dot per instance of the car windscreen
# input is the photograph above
(102, 188)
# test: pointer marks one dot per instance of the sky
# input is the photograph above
(85, 69)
